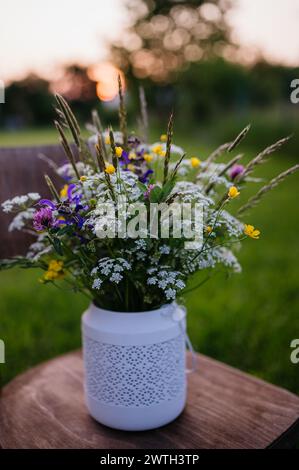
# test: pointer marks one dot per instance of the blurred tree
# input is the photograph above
(75, 85)
(80, 91)
(30, 102)
(166, 35)
(27, 101)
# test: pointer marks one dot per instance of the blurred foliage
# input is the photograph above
(27, 101)
(206, 92)
(207, 88)
(165, 36)
(30, 102)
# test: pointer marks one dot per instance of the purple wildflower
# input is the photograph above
(235, 171)
(148, 190)
(125, 158)
(43, 219)
(145, 177)
(47, 202)
(70, 189)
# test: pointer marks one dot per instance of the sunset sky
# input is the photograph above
(39, 36)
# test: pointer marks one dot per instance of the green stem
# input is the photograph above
(197, 285)
(206, 240)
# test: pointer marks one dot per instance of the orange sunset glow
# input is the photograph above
(106, 76)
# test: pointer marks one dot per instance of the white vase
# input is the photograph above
(135, 376)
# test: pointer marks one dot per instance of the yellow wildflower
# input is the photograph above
(63, 191)
(157, 148)
(148, 157)
(83, 178)
(50, 275)
(208, 229)
(110, 169)
(195, 162)
(131, 167)
(251, 232)
(162, 153)
(118, 151)
(55, 265)
(163, 138)
(233, 192)
(107, 140)
(55, 270)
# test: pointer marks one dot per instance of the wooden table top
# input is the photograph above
(44, 408)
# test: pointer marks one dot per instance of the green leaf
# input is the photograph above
(166, 190)
(57, 246)
(65, 230)
(142, 186)
(155, 194)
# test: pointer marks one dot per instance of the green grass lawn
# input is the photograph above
(247, 321)
(28, 137)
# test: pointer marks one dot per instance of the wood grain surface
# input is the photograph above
(44, 408)
(22, 171)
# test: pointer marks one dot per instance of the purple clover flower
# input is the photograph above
(235, 171)
(43, 219)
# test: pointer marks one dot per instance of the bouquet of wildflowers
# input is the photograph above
(132, 221)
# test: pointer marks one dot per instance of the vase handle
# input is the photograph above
(179, 316)
(189, 370)
(193, 367)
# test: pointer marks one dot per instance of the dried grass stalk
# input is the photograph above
(67, 149)
(48, 160)
(261, 157)
(144, 114)
(52, 188)
(69, 118)
(102, 166)
(122, 114)
(219, 151)
(232, 162)
(168, 147)
(99, 154)
(239, 138)
(254, 200)
(98, 125)
(96, 121)
(72, 123)
(175, 170)
(113, 148)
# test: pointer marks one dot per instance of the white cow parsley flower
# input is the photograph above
(20, 202)
(20, 220)
(97, 283)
